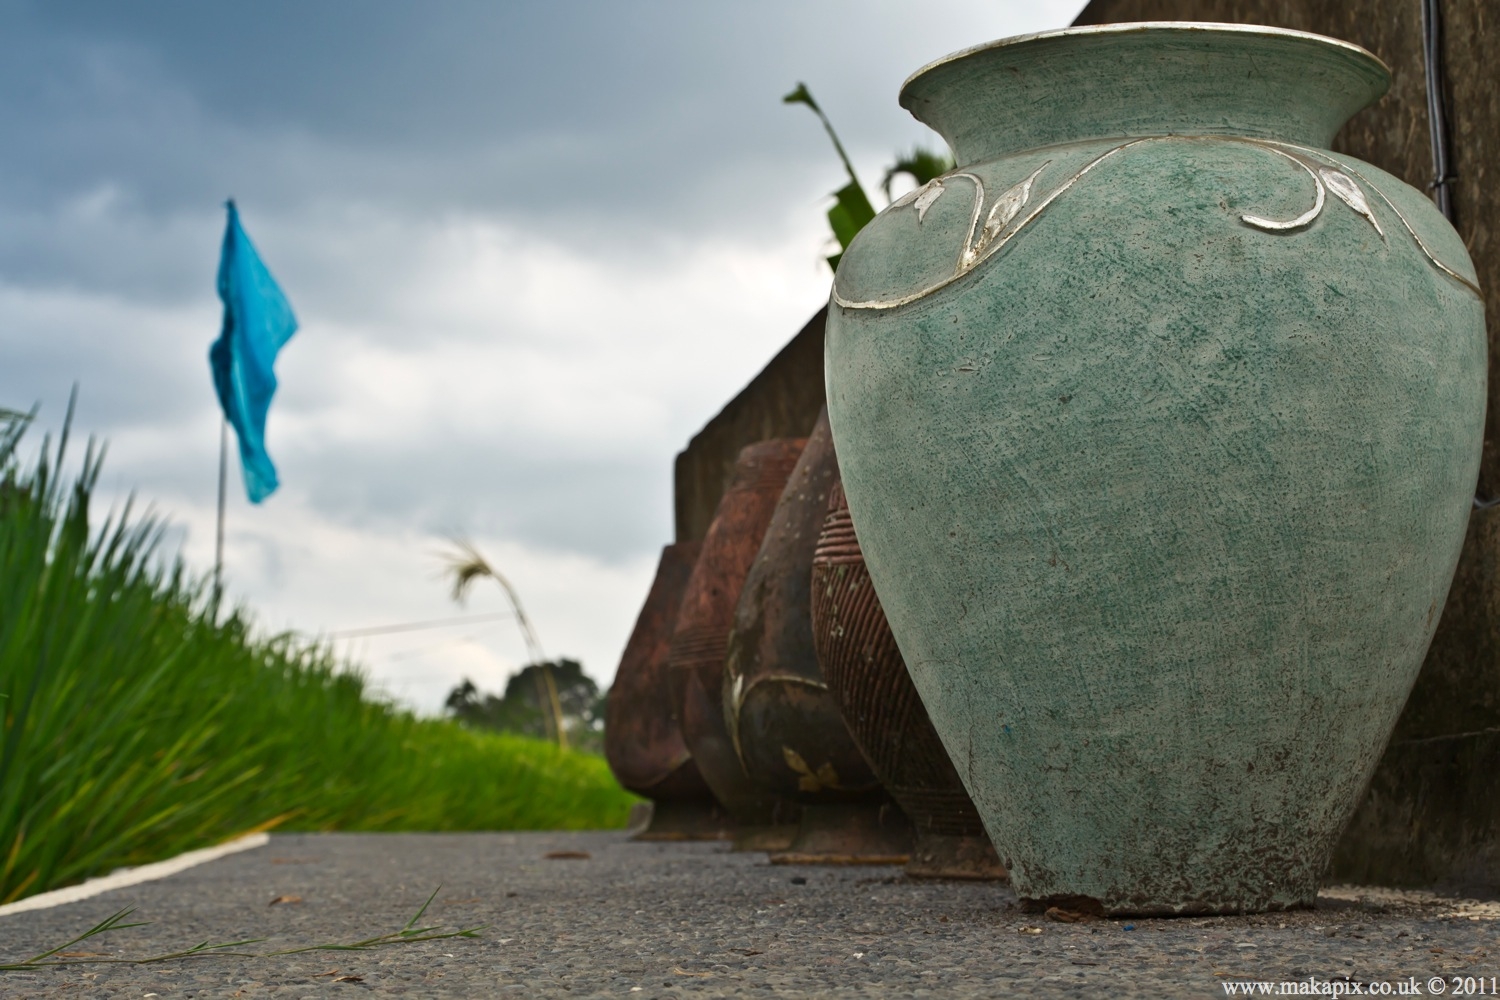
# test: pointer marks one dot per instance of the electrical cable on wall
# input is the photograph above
(1437, 113)
(1437, 131)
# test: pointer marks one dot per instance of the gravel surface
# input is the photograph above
(694, 920)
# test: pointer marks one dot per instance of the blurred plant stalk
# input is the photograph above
(467, 565)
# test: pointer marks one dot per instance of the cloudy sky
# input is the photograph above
(533, 248)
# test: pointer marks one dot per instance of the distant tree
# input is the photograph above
(466, 565)
(521, 709)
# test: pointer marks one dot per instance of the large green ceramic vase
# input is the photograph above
(1159, 424)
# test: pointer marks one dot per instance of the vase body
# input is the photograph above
(867, 678)
(701, 633)
(642, 741)
(785, 724)
(1160, 424)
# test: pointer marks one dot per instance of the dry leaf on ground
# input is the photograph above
(1063, 916)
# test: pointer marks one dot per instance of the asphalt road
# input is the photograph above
(693, 920)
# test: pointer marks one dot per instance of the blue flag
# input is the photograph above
(257, 321)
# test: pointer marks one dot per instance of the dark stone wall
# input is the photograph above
(1430, 818)
(782, 401)
(1432, 815)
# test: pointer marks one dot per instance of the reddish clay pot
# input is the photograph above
(868, 679)
(786, 727)
(701, 634)
(642, 740)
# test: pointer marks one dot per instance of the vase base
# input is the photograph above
(795, 858)
(777, 837)
(938, 856)
(1090, 907)
(849, 834)
(687, 820)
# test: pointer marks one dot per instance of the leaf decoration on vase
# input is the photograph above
(908, 197)
(1344, 188)
(1014, 210)
(912, 195)
(1325, 179)
(1284, 225)
(1008, 204)
(1005, 208)
(825, 777)
(922, 198)
(931, 192)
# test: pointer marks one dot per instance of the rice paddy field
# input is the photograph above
(138, 723)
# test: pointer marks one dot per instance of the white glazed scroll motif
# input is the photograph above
(1007, 214)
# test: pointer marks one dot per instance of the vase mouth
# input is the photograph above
(1137, 27)
(1143, 78)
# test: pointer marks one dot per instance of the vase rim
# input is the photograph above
(1142, 27)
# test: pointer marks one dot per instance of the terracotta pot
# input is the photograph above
(867, 678)
(786, 727)
(700, 637)
(1160, 422)
(642, 739)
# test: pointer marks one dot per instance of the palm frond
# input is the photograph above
(921, 165)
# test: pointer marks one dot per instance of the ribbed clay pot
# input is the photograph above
(1160, 423)
(701, 634)
(642, 741)
(867, 678)
(785, 725)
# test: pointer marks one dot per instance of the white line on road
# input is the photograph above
(134, 876)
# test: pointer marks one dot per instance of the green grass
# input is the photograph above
(136, 727)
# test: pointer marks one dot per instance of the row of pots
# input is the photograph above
(762, 696)
(1160, 422)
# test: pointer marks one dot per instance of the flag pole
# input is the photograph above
(219, 537)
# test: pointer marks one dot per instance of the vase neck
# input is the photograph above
(1128, 80)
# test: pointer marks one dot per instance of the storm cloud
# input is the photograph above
(533, 247)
